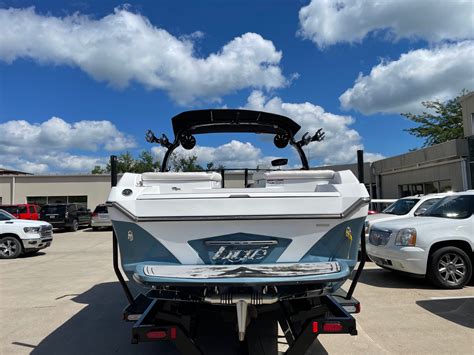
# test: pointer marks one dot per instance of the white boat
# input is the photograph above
(295, 233)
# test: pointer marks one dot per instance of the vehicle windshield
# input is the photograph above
(5, 216)
(101, 209)
(53, 209)
(401, 207)
(10, 209)
(456, 207)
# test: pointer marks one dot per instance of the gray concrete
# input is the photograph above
(66, 300)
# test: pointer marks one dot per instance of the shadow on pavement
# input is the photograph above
(90, 230)
(98, 328)
(32, 255)
(457, 310)
(390, 279)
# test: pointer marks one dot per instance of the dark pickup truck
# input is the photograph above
(70, 216)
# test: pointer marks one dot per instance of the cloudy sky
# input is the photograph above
(81, 80)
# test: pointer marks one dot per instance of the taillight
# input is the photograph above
(330, 327)
(94, 214)
(333, 327)
(169, 333)
(156, 334)
(173, 332)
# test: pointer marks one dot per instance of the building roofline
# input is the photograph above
(466, 97)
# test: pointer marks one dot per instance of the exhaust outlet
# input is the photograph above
(229, 299)
(241, 302)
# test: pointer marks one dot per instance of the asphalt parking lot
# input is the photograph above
(67, 300)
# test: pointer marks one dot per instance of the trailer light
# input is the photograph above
(358, 308)
(156, 334)
(173, 332)
(334, 327)
(315, 327)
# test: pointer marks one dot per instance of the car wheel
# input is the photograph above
(75, 226)
(450, 267)
(10, 248)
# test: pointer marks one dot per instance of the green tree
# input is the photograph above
(145, 162)
(442, 121)
(185, 163)
(126, 163)
(212, 166)
(98, 170)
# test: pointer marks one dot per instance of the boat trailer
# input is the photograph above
(159, 317)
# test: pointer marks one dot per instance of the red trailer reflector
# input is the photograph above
(156, 334)
(358, 308)
(334, 327)
(315, 327)
(173, 332)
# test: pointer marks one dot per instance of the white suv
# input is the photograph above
(411, 206)
(438, 244)
(19, 236)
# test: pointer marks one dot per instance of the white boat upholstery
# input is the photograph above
(182, 181)
(299, 180)
(299, 174)
(182, 176)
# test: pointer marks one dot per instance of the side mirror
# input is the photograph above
(420, 212)
(279, 162)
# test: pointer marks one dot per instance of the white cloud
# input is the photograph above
(328, 22)
(424, 74)
(341, 142)
(125, 47)
(234, 154)
(41, 161)
(43, 147)
(56, 133)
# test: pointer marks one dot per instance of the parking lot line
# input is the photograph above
(450, 298)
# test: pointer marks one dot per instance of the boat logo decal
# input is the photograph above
(349, 233)
(232, 254)
(130, 235)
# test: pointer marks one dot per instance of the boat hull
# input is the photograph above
(183, 229)
(184, 246)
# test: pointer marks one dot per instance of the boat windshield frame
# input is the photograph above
(190, 123)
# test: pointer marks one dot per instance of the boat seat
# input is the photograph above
(182, 176)
(300, 175)
(182, 181)
(299, 180)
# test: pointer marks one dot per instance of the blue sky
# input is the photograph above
(82, 80)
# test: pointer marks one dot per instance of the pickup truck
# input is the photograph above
(23, 211)
(21, 236)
